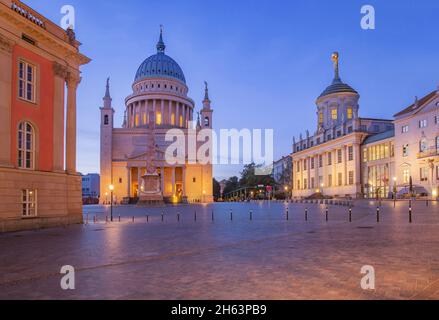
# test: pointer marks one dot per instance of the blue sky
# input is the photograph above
(266, 61)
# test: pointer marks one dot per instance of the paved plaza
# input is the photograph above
(266, 257)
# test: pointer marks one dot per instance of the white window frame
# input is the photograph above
(23, 150)
(29, 201)
(405, 129)
(24, 82)
(423, 123)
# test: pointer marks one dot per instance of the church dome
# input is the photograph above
(160, 65)
(337, 85)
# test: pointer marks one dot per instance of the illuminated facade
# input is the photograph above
(39, 61)
(159, 99)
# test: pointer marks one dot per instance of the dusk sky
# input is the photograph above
(266, 61)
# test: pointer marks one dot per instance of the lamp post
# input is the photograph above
(111, 187)
(287, 193)
(321, 188)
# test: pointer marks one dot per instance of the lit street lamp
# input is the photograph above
(111, 187)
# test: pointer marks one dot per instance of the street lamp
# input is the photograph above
(321, 188)
(111, 187)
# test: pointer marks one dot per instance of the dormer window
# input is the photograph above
(350, 113)
(334, 114)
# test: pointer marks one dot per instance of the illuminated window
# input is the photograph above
(351, 177)
(144, 118)
(350, 113)
(158, 119)
(173, 119)
(181, 121)
(26, 146)
(26, 81)
(334, 114)
(406, 176)
(29, 203)
(136, 122)
(350, 153)
(320, 118)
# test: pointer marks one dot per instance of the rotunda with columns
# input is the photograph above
(158, 103)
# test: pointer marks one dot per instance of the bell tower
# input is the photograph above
(107, 124)
(206, 112)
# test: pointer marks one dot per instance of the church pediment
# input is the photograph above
(143, 156)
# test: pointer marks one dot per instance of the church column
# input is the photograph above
(72, 84)
(170, 112)
(129, 182)
(177, 116)
(154, 111)
(162, 178)
(184, 180)
(162, 107)
(173, 181)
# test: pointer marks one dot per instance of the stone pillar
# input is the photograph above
(170, 112)
(128, 182)
(139, 180)
(177, 114)
(73, 81)
(183, 169)
(60, 73)
(162, 177)
(184, 115)
(6, 47)
(173, 181)
(162, 107)
(154, 111)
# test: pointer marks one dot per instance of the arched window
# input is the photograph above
(26, 146)
(206, 122)
(106, 120)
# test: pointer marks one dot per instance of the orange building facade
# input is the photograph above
(39, 76)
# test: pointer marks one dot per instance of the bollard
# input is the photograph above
(231, 215)
(410, 215)
(350, 214)
(394, 202)
(163, 217)
(327, 214)
(213, 218)
(195, 216)
(288, 215)
(251, 215)
(106, 219)
(147, 218)
(178, 217)
(133, 219)
(119, 218)
(426, 203)
(94, 219)
(378, 214)
(86, 222)
(306, 214)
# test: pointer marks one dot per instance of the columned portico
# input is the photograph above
(73, 81)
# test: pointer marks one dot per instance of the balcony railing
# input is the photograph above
(430, 152)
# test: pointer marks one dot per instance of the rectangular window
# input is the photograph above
(365, 158)
(320, 161)
(298, 184)
(26, 81)
(351, 177)
(29, 203)
(405, 150)
(351, 153)
(340, 179)
(423, 123)
(320, 118)
(329, 158)
(312, 183)
(423, 175)
(329, 180)
(305, 184)
(312, 162)
(350, 113)
(158, 119)
(405, 129)
(334, 114)
(339, 156)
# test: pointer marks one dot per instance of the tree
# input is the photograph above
(216, 190)
(250, 179)
(231, 185)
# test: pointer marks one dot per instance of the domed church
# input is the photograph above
(133, 157)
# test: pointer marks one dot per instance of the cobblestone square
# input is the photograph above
(249, 251)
